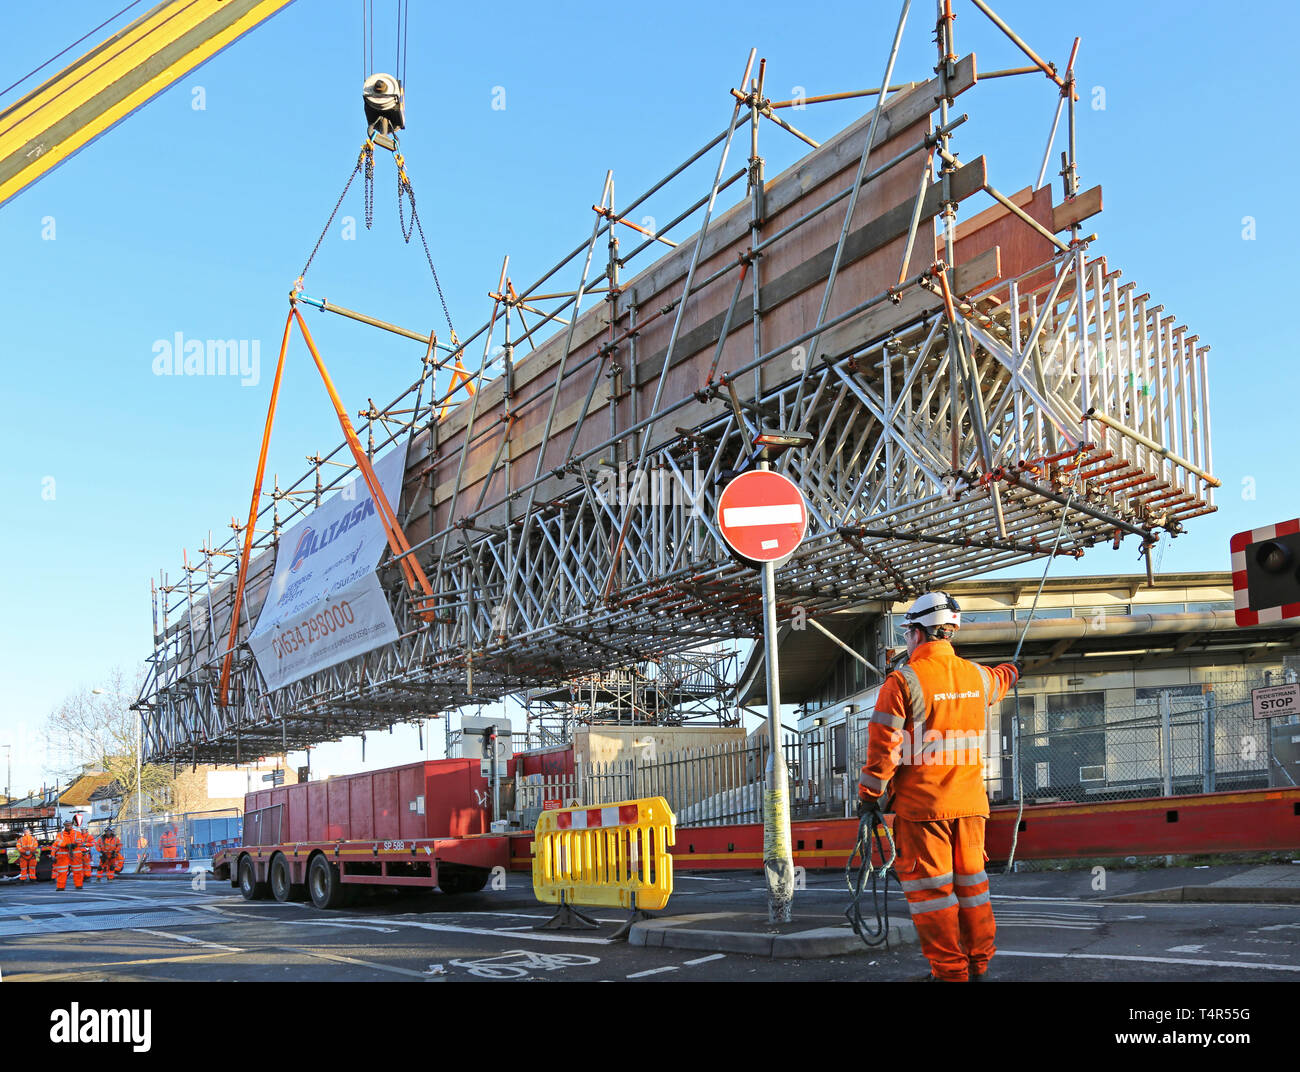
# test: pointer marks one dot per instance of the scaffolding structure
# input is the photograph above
(975, 396)
(682, 688)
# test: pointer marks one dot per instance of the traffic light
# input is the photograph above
(1266, 573)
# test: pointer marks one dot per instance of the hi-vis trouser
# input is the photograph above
(27, 864)
(941, 869)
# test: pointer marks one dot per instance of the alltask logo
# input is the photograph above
(76, 1024)
(312, 541)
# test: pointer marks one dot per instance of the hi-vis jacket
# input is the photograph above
(927, 731)
(27, 846)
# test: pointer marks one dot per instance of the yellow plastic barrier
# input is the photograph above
(611, 854)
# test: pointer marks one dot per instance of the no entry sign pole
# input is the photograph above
(778, 863)
(761, 515)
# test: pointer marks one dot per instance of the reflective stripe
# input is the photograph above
(972, 880)
(926, 883)
(885, 718)
(918, 907)
(916, 700)
(985, 677)
(871, 783)
(974, 901)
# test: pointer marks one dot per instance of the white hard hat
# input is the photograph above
(934, 609)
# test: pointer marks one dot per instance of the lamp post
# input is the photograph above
(9, 770)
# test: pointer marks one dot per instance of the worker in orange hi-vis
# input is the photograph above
(81, 867)
(110, 855)
(925, 737)
(29, 854)
(168, 843)
(67, 844)
(141, 848)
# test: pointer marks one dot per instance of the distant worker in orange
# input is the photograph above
(29, 855)
(141, 848)
(925, 737)
(85, 843)
(67, 845)
(110, 855)
(168, 843)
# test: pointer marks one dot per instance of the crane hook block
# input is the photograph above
(384, 100)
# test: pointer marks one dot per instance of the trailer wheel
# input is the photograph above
(455, 880)
(282, 885)
(324, 884)
(251, 889)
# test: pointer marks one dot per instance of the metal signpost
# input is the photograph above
(762, 517)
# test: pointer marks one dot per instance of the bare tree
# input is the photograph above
(95, 729)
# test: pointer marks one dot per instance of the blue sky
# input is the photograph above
(197, 220)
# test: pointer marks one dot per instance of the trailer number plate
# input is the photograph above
(395, 846)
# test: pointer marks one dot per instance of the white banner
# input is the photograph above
(326, 604)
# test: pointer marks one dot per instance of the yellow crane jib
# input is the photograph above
(113, 79)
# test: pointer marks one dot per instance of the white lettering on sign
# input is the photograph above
(741, 517)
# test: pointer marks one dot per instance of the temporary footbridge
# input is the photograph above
(964, 391)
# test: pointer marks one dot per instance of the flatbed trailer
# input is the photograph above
(424, 824)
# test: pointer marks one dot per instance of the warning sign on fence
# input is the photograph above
(1274, 700)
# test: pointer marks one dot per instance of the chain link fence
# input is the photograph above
(190, 836)
(1171, 741)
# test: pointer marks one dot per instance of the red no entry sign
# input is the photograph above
(762, 516)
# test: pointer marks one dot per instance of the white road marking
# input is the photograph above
(1152, 960)
(349, 925)
(651, 971)
(187, 939)
(705, 960)
(517, 915)
(448, 928)
(1184, 949)
(322, 955)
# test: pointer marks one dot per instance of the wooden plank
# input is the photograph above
(977, 271)
(1068, 213)
(884, 229)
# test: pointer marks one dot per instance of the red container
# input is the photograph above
(439, 798)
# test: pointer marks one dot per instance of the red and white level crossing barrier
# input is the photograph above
(594, 818)
(1240, 584)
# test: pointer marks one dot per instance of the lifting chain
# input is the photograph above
(405, 195)
(366, 160)
(368, 155)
